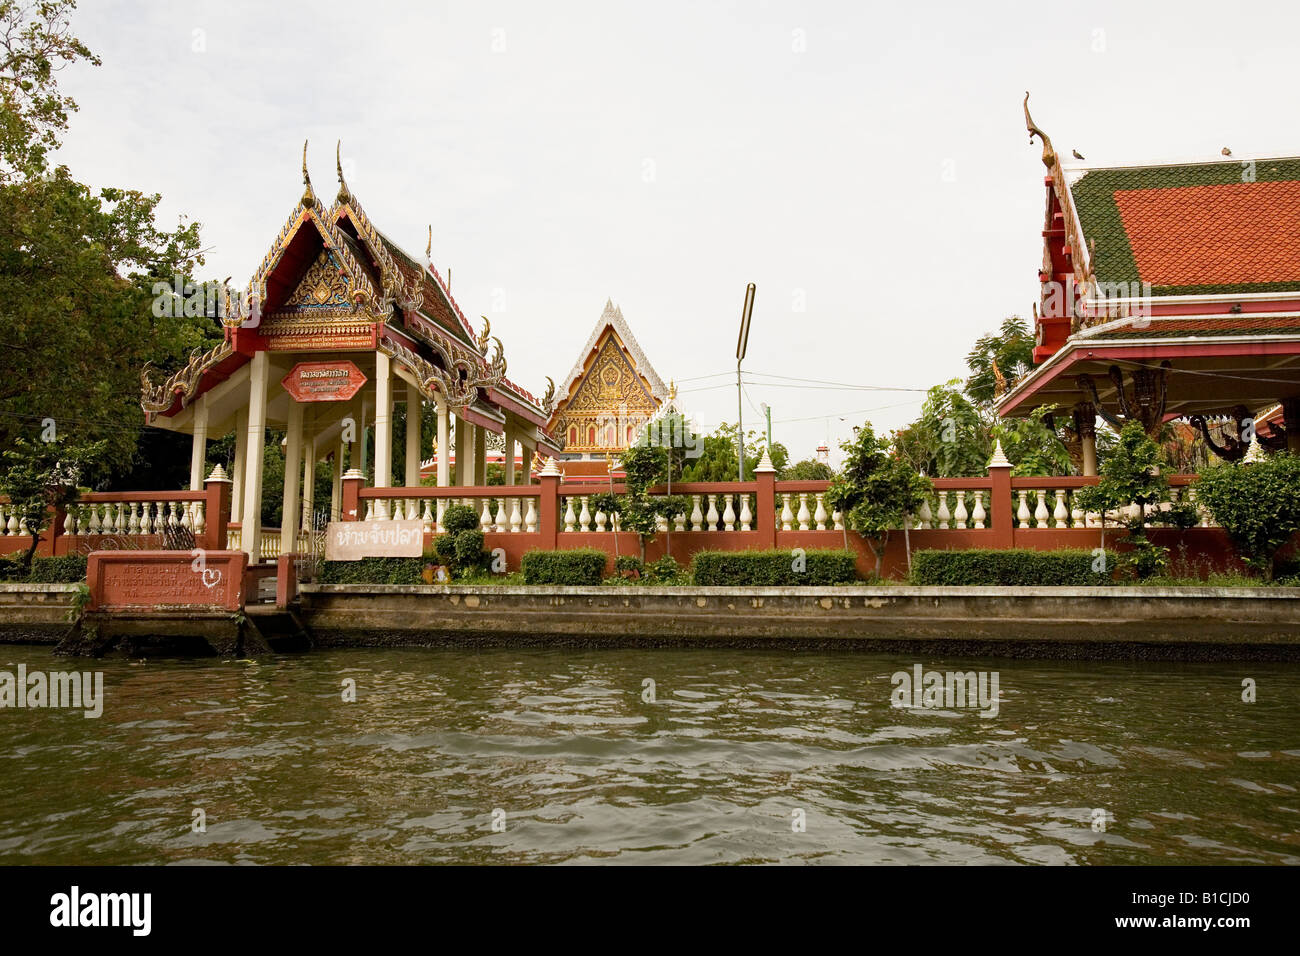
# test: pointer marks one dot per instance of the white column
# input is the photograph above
(250, 535)
(414, 424)
(199, 448)
(383, 421)
(508, 461)
(336, 490)
(289, 512)
(308, 482)
(241, 462)
(480, 455)
(444, 443)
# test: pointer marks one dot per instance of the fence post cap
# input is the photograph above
(765, 463)
(218, 474)
(999, 460)
(353, 474)
(550, 469)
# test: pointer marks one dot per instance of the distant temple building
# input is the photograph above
(611, 393)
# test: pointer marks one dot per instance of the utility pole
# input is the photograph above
(742, 344)
(767, 412)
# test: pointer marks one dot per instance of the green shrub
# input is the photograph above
(373, 571)
(580, 566)
(1016, 567)
(1257, 503)
(65, 569)
(470, 556)
(458, 518)
(11, 569)
(773, 568)
(444, 548)
(629, 562)
(664, 571)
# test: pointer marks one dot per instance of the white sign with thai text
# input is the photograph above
(354, 540)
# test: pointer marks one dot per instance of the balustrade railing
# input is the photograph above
(512, 509)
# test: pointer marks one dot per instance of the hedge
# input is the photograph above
(772, 568)
(65, 569)
(580, 566)
(1014, 567)
(373, 571)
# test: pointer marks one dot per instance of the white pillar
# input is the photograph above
(250, 535)
(336, 489)
(383, 421)
(199, 448)
(508, 461)
(444, 443)
(241, 462)
(480, 455)
(463, 451)
(308, 482)
(289, 511)
(414, 425)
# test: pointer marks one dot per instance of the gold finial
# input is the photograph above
(308, 197)
(485, 334)
(1049, 154)
(672, 390)
(344, 193)
(428, 249)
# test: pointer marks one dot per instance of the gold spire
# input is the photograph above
(308, 196)
(1049, 154)
(344, 194)
(672, 390)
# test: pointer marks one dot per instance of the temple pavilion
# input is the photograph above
(1169, 290)
(612, 391)
(337, 326)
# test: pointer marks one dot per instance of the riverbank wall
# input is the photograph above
(1199, 623)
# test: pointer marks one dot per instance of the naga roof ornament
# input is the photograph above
(1049, 154)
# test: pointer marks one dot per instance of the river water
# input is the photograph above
(548, 756)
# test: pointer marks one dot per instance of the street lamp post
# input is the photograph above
(742, 344)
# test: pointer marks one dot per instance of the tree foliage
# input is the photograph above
(1257, 504)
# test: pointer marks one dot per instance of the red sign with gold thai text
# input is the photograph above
(324, 381)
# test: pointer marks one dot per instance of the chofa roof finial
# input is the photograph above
(344, 193)
(308, 197)
(1049, 154)
(428, 249)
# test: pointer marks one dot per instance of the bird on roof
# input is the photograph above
(1077, 154)
(1225, 151)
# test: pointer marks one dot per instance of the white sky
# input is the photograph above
(881, 178)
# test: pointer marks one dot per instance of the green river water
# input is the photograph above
(560, 751)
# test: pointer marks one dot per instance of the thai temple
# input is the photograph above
(1169, 291)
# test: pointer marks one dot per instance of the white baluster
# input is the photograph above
(804, 514)
(440, 509)
(961, 514)
(430, 523)
(69, 523)
(925, 515)
(944, 514)
(661, 523)
(186, 521)
(787, 516)
(978, 514)
(712, 516)
(1061, 514)
(746, 516)
(838, 518)
(172, 523)
(485, 519)
(1023, 515)
(370, 509)
(820, 515)
(95, 526)
(728, 515)
(516, 519)
(600, 520)
(399, 510)
(530, 519)
(1041, 514)
(697, 516)
(570, 518)
(584, 516)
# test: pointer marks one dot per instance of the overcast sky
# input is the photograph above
(865, 165)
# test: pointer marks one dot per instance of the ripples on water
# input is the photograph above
(712, 772)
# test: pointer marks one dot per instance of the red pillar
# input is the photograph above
(1004, 528)
(548, 506)
(216, 510)
(353, 479)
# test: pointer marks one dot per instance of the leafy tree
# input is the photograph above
(41, 476)
(717, 462)
(1132, 476)
(645, 465)
(808, 470)
(1011, 348)
(77, 267)
(1032, 446)
(953, 433)
(1257, 503)
(876, 490)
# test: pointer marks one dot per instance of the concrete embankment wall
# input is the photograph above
(1142, 623)
(1100, 623)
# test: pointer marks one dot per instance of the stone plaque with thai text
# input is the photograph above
(354, 540)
